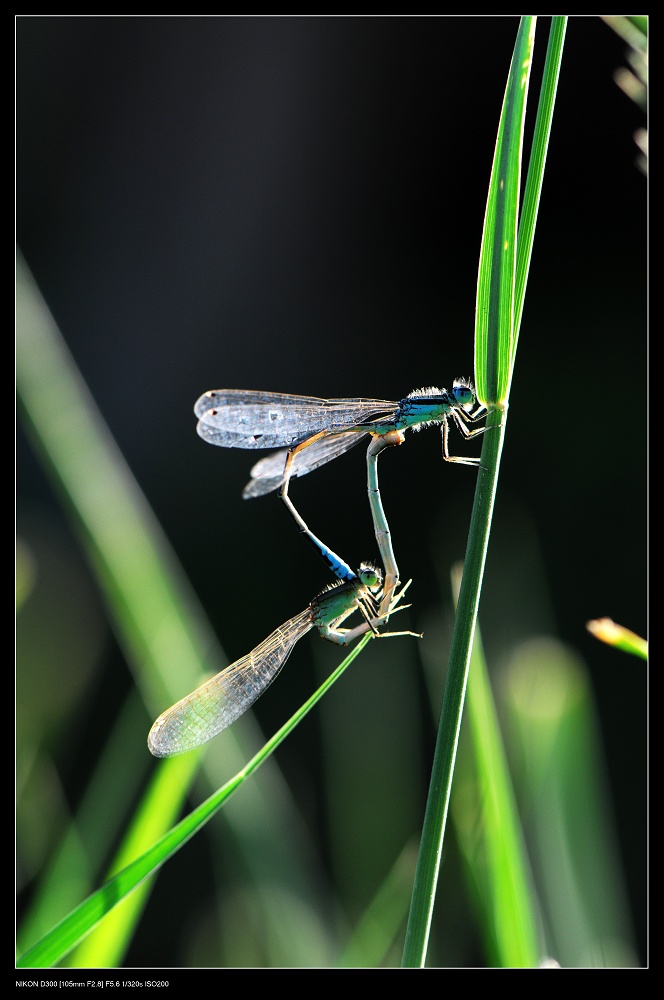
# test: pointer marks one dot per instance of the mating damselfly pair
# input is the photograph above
(309, 432)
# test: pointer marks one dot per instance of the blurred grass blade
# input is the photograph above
(73, 929)
(555, 735)
(489, 831)
(632, 28)
(25, 574)
(375, 933)
(157, 621)
(606, 630)
(157, 618)
(158, 808)
(85, 844)
(55, 945)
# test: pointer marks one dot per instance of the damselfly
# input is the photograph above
(314, 431)
(311, 432)
(217, 703)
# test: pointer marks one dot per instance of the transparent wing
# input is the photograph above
(213, 706)
(229, 398)
(235, 418)
(267, 474)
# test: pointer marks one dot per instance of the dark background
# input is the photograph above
(296, 204)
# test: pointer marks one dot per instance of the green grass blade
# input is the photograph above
(85, 844)
(489, 831)
(606, 630)
(495, 344)
(159, 806)
(55, 945)
(435, 818)
(374, 934)
(494, 327)
(73, 929)
(494, 323)
(158, 622)
(557, 759)
(509, 918)
(537, 162)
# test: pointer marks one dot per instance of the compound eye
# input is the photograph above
(463, 394)
(370, 576)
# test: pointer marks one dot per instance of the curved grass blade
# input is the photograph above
(67, 934)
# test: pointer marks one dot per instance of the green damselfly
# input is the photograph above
(218, 702)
